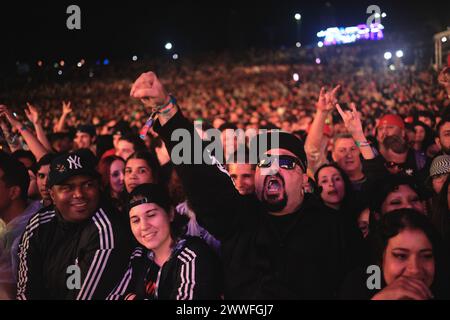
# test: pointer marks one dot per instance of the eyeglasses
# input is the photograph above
(392, 165)
(284, 162)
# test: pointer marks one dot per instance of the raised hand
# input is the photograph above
(4, 111)
(351, 119)
(66, 107)
(405, 288)
(149, 90)
(32, 113)
(327, 100)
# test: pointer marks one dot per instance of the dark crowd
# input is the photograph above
(354, 202)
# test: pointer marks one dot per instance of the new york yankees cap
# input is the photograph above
(63, 167)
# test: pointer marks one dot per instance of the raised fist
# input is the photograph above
(149, 90)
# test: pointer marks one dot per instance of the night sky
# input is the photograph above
(31, 31)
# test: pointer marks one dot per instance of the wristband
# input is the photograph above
(171, 103)
(360, 144)
(158, 110)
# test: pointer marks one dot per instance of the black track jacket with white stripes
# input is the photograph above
(59, 260)
(192, 272)
(303, 255)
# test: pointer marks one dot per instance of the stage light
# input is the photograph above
(298, 16)
(318, 61)
(444, 39)
(134, 58)
(298, 44)
(296, 77)
(91, 74)
(377, 15)
(175, 56)
(320, 44)
(79, 64)
(387, 55)
(55, 65)
(399, 53)
(384, 15)
(392, 67)
(62, 63)
(40, 63)
(168, 46)
(106, 62)
(60, 72)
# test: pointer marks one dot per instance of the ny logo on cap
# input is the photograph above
(74, 162)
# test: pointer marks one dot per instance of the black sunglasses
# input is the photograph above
(284, 162)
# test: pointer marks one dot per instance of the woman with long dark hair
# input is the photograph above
(407, 251)
(334, 188)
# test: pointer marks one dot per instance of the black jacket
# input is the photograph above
(191, 273)
(51, 246)
(303, 255)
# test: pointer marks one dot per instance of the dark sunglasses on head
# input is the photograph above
(284, 162)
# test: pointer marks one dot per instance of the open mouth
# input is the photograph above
(273, 186)
(332, 193)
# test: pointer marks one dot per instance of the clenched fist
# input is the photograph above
(149, 90)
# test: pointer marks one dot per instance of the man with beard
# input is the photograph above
(287, 249)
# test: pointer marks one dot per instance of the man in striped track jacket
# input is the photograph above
(76, 249)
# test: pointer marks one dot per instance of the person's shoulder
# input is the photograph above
(43, 215)
(137, 254)
(107, 214)
(193, 247)
(41, 221)
(314, 208)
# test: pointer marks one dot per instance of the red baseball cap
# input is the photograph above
(393, 120)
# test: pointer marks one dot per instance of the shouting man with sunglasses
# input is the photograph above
(282, 247)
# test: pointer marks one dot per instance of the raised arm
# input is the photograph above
(314, 141)
(33, 115)
(33, 143)
(11, 139)
(353, 124)
(209, 187)
(66, 109)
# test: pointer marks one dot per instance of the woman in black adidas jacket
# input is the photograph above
(165, 266)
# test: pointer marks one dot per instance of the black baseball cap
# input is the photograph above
(89, 129)
(149, 193)
(80, 162)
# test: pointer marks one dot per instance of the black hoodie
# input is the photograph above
(305, 257)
